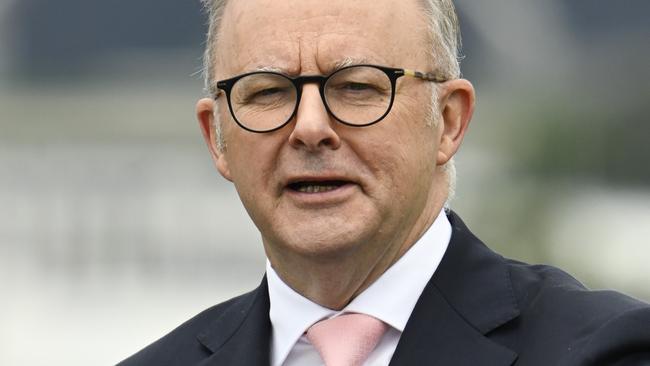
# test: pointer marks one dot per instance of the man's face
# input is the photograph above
(384, 176)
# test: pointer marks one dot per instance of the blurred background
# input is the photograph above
(115, 228)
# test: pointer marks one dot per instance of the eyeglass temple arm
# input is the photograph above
(215, 92)
(425, 76)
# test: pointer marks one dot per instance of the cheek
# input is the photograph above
(388, 161)
(403, 156)
(247, 166)
(410, 137)
(253, 163)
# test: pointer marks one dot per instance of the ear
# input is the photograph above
(205, 114)
(457, 106)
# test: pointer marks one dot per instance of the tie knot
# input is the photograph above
(346, 340)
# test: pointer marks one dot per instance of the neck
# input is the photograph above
(335, 279)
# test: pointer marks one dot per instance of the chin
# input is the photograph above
(323, 241)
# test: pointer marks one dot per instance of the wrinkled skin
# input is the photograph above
(329, 246)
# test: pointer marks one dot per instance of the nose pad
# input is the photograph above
(313, 127)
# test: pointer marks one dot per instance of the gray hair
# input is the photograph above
(444, 37)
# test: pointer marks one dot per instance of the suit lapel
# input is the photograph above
(241, 335)
(468, 296)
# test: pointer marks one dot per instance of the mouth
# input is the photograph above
(311, 187)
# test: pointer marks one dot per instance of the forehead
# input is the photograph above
(312, 36)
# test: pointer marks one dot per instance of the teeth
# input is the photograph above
(312, 188)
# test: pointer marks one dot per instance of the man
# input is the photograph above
(337, 122)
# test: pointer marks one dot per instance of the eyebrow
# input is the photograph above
(270, 69)
(349, 61)
(335, 66)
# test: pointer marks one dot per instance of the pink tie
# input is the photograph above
(346, 340)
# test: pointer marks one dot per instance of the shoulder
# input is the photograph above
(551, 318)
(543, 287)
(182, 346)
(589, 327)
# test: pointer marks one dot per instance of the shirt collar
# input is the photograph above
(291, 314)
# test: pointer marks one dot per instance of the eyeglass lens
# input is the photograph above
(356, 95)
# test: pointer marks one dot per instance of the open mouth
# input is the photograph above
(316, 187)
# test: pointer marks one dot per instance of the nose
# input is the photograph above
(313, 125)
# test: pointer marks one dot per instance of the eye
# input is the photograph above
(358, 88)
(267, 96)
(352, 86)
(262, 89)
(267, 92)
(351, 89)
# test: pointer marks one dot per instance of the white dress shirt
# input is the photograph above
(391, 298)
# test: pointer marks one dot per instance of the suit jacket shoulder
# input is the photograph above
(582, 327)
(482, 309)
(216, 336)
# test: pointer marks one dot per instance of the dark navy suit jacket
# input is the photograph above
(478, 309)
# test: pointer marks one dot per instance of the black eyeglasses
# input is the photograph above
(358, 95)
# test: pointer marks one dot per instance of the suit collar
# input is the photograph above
(469, 295)
(475, 280)
(241, 334)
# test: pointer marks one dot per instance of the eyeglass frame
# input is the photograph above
(298, 83)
